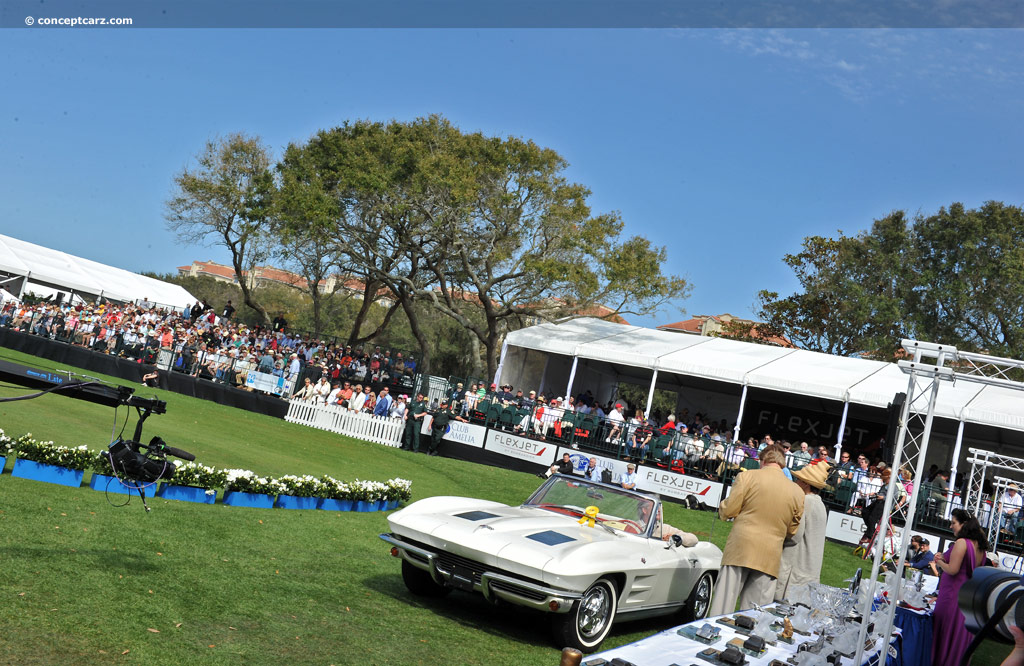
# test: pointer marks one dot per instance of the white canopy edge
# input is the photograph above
(798, 371)
(65, 271)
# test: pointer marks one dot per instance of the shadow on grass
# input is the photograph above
(114, 560)
(504, 619)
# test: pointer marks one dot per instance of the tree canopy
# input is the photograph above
(225, 200)
(953, 277)
(486, 230)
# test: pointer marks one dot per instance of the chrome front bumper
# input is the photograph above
(492, 585)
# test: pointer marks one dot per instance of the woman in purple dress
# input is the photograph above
(950, 637)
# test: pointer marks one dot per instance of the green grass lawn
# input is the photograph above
(85, 582)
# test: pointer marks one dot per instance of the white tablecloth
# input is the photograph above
(668, 648)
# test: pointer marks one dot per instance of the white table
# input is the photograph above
(668, 648)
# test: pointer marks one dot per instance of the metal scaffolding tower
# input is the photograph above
(930, 365)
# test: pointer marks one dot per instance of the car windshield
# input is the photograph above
(617, 509)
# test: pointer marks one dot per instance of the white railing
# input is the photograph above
(379, 429)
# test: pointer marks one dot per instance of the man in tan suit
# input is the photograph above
(767, 507)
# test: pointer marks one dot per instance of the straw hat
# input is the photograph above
(814, 474)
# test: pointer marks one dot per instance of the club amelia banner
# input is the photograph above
(652, 479)
(542, 453)
(466, 433)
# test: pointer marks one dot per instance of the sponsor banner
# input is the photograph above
(267, 383)
(1008, 561)
(850, 529)
(664, 482)
(797, 424)
(581, 460)
(542, 453)
(651, 479)
(466, 433)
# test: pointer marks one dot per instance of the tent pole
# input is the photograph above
(739, 416)
(501, 362)
(572, 376)
(842, 428)
(650, 394)
(952, 469)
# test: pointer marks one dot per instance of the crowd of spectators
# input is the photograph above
(200, 342)
(212, 345)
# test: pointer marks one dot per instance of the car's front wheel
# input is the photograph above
(586, 625)
(421, 583)
(699, 602)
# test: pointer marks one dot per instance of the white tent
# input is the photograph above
(64, 272)
(639, 352)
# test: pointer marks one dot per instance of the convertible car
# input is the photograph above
(587, 553)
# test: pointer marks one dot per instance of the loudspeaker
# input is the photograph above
(892, 430)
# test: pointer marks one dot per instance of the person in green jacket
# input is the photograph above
(413, 423)
(442, 417)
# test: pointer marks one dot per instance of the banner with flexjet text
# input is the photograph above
(542, 453)
(651, 479)
(850, 529)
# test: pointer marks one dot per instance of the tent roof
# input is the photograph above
(65, 271)
(861, 381)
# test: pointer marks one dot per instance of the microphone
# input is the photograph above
(161, 445)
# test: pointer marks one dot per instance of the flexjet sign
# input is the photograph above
(678, 485)
(520, 447)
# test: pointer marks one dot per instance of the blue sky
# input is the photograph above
(728, 147)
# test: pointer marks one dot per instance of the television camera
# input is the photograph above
(135, 465)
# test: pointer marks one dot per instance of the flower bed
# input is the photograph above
(195, 482)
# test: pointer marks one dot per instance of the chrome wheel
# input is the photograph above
(594, 611)
(699, 602)
(591, 618)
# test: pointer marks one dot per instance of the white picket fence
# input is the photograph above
(379, 429)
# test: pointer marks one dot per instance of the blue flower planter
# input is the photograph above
(254, 500)
(382, 505)
(30, 469)
(3, 461)
(366, 507)
(335, 505)
(186, 494)
(392, 505)
(112, 484)
(293, 502)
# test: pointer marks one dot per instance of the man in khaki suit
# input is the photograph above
(767, 507)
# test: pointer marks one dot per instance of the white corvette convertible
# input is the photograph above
(588, 553)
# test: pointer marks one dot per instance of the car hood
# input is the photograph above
(526, 540)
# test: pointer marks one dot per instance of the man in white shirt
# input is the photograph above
(358, 398)
(802, 457)
(334, 397)
(615, 420)
(1010, 508)
(628, 480)
(293, 368)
